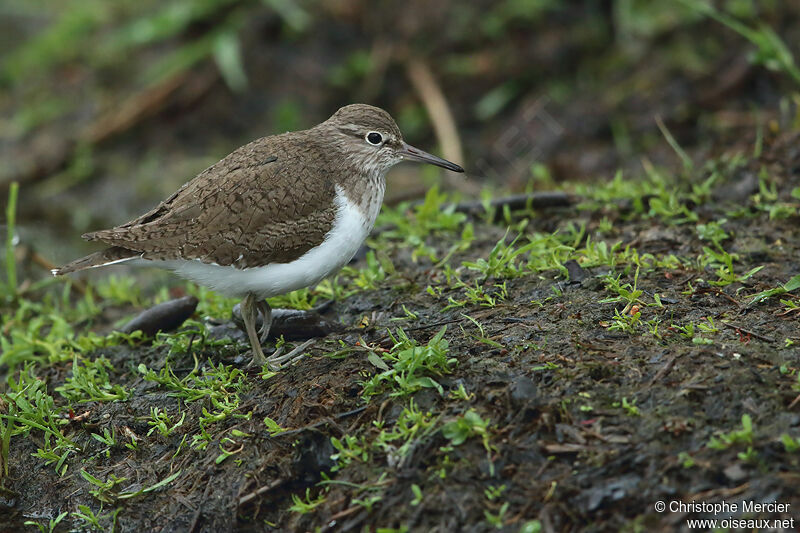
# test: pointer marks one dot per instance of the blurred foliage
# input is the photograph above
(60, 49)
(125, 43)
(770, 52)
(234, 70)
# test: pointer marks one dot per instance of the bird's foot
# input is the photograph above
(259, 359)
(279, 360)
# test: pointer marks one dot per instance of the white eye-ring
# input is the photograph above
(374, 138)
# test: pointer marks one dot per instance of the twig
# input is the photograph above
(539, 200)
(794, 402)
(444, 126)
(36, 258)
(749, 332)
(199, 511)
(117, 119)
(663, 371)
(258, 492)
(717, 292)
(346, 512)
(133, 109)
(685, 159)
(421, 77)
(326, 420)
(723, 493)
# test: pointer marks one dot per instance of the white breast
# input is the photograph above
(350, 228)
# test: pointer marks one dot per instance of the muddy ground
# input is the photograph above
(587, 426)
(610, 354)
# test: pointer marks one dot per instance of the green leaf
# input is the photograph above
(228, 56)
(376, 360)
(428, 383)
(273, 427)
(162, 483)
(789, 286)
(792, 284)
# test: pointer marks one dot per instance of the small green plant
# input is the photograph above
(481, 335)
(272, 427)
(629, 407)
(368, 501)
(29, 408)
(411, 426)
(405, 363)
(192, 336)
(408, 315)
(741, 436)
(479, 295)
(468, 425)
(378, 267)
(161, 421)
(493, 492)
(630, 317)
(461, 393)
(218, 385)
(90, 382)
(748, 456)
(39, 336)
(628, 322)
(623, 292)
(119, 290)
(349, 449)
(103, 490)
(109, 438)
(233, 449)
(496, 519)
(791, 285)
(87, 516)
(790, 444)
(307, 504)
(417, 495)
(50, 526)
(9, 289)
(692, 331)
(686, 460)
(412, 225)
(531, 526)
(712, 231)
(502, 260)
(722, 262)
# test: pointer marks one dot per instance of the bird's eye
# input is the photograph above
(375, 138)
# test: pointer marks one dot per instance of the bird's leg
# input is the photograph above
(248, 309)
(266, 319)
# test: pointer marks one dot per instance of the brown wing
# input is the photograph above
(257, 206)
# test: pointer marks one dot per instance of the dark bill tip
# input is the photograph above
(415, 154)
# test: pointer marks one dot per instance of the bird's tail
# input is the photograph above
(109, 256)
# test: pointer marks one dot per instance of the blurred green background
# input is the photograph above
(108, 106)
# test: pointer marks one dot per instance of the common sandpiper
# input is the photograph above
(276, 215)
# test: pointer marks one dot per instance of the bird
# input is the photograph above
(278, 214)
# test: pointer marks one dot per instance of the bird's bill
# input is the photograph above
(415, 154)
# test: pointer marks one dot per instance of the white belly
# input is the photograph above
(350, 229)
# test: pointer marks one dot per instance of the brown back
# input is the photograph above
(265, 203)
